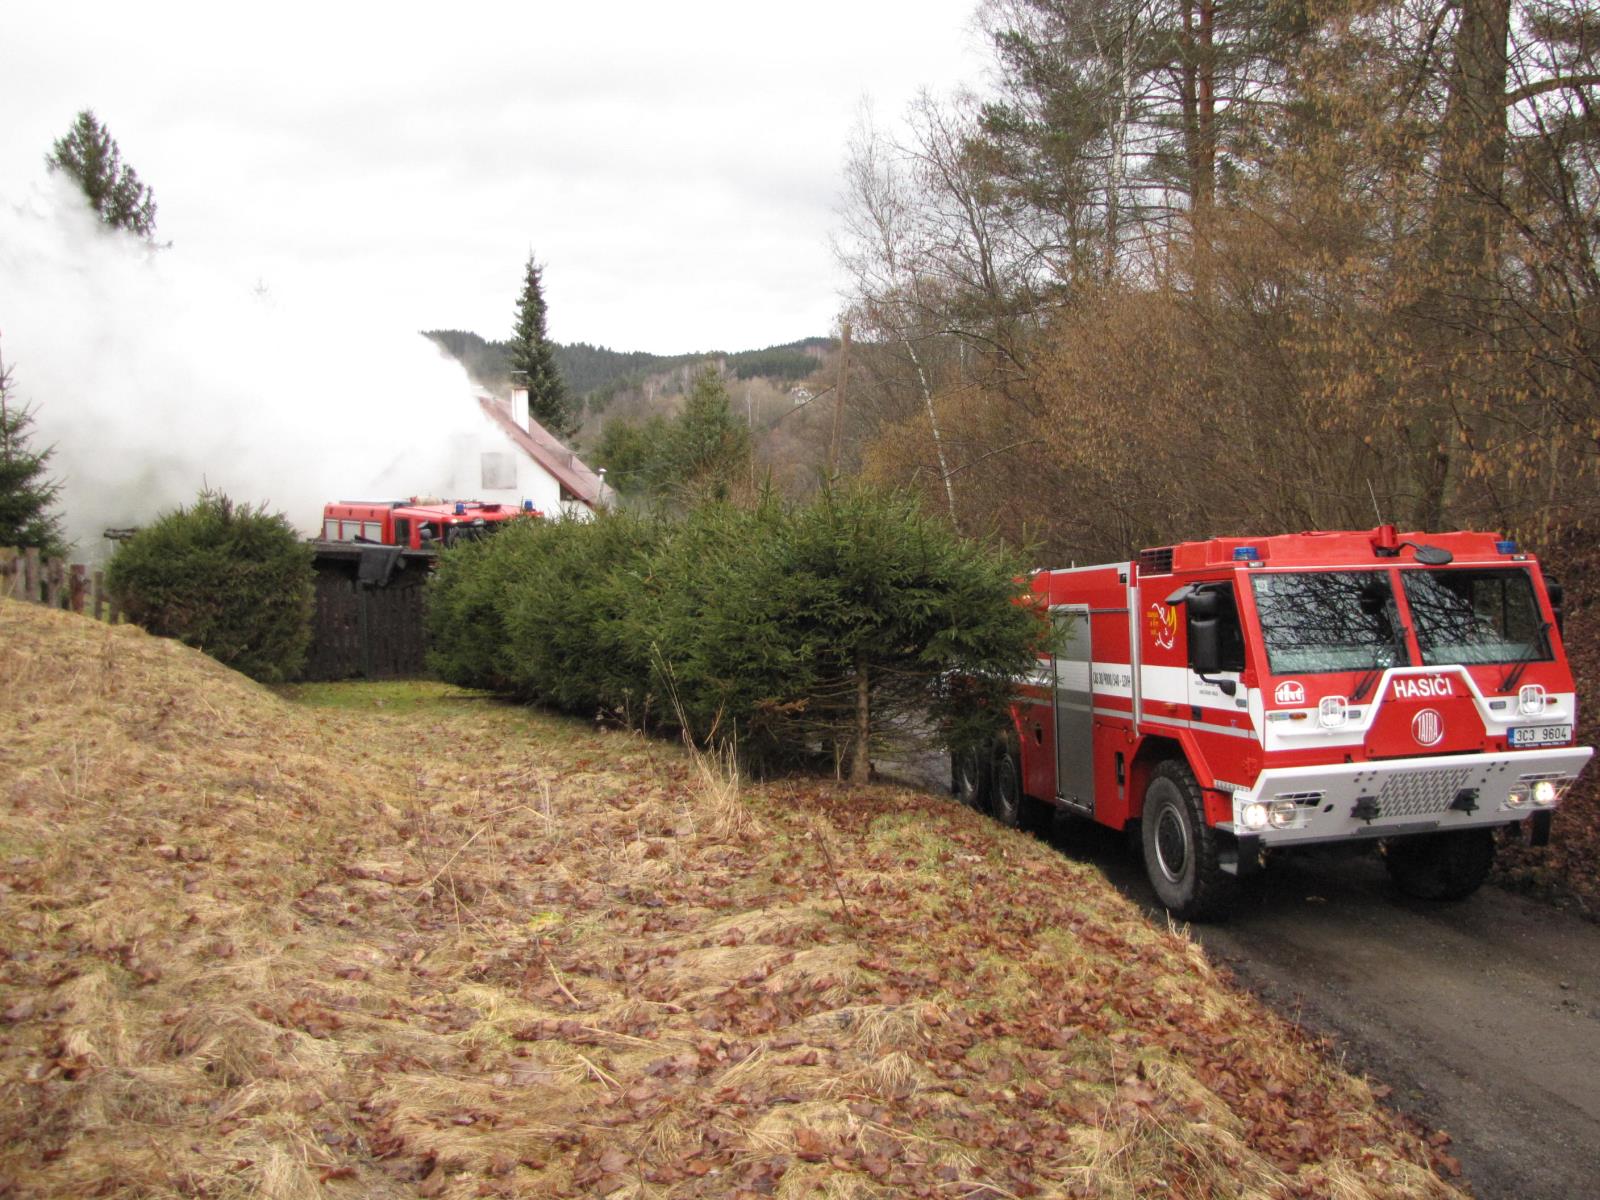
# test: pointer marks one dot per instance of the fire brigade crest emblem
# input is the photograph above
(1163, 622)
(1290, 691)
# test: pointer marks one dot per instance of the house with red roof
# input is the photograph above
(519, 459)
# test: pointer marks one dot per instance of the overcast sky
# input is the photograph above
(676, 167)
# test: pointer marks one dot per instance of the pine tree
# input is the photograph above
(25, 494)
(90, 155)
(533, 362)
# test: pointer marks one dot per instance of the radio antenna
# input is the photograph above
(1374, 496)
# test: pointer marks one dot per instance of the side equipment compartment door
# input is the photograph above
(1074, 708)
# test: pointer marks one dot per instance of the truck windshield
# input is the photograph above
(1319, 621)
(1476, 616)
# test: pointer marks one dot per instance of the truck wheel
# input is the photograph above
(1441, 866)
(969, 778)
(1005, 785)
(1180, 850)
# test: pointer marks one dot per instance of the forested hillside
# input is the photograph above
(596, 374)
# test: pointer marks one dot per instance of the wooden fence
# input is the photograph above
(56, 583)
(359, 629)
(367, 628)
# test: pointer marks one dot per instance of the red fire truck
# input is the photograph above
(418, 523)
(1242, 696)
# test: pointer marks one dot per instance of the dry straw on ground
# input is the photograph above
(402, 941)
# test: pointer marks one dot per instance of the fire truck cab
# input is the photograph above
(417, 523)
(1240, 696)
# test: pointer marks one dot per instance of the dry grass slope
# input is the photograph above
(434, 946)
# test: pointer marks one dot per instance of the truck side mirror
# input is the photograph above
(1205, 637)
(1205, 605)
(1558, 597)
(1205, 650)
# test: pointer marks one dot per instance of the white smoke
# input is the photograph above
(153, 375)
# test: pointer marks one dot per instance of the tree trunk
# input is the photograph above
(1199, 101)
(933, 423)
(1189, 89)
(1206, 182)
(1116, 180)
(1461, 302)
(838, 399)
(1472, 152)
(861, 759)
(1200, 137)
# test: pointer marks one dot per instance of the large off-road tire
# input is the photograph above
(1441, 866)
(969, 777)
(1005, 784)
(1181, 854)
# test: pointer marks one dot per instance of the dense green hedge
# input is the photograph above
(536, 611)
(232, 580)
(766, 625)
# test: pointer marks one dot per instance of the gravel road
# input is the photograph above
(1483, 1016)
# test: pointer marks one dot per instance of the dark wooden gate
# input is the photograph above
(368, 622)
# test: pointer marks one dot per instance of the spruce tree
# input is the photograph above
(707, 448)
(90, 155)
(533, 361)
(26, 496)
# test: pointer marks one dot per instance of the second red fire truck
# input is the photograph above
(415, 524)
(1239, 696)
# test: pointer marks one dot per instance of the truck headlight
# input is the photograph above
(1332, 711)
(1518, 797)
(1546, 792)
(1254, 815)
(1282, 814)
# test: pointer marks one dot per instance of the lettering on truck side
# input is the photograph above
(1423, 687)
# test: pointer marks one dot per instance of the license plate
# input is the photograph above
(1541, 735)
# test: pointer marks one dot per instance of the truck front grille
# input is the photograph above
(1418, 793)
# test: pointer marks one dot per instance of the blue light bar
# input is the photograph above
(460, 508)
(1244, 553)
(1505, 547)
(527, 506)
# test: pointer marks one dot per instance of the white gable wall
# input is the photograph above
(473, 476)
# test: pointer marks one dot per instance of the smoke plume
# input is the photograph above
(153, 376)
